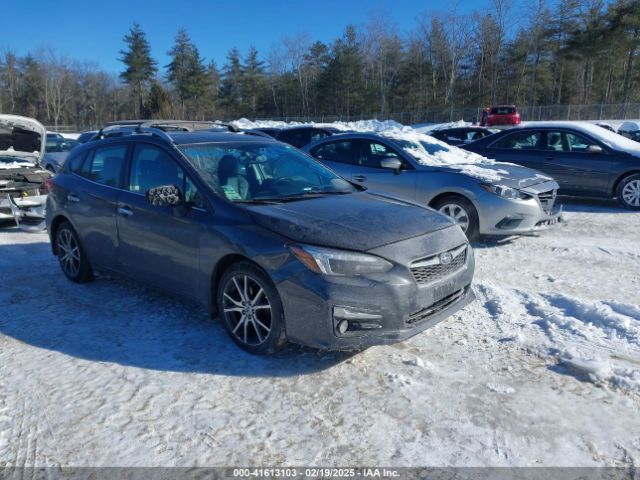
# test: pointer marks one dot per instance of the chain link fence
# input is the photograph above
(617, 111)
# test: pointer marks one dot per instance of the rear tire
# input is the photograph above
(628, 192)
(462, 211)
(73, 261)
(250, 309)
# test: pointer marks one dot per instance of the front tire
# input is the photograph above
(73, 261)
(628, 192)
(462, 212)
(250, 309)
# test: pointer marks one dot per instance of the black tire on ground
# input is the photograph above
(628, 191)
(472, 230)
(71, 256)
(250, 309)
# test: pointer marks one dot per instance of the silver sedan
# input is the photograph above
(484, 197)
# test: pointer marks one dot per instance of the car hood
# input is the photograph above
(501, 173)
(359, 221)
(22, 141)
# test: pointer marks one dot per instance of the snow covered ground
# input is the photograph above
(543, 369)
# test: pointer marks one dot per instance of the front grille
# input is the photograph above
(441, 265)
(547, 200)
(430, 311)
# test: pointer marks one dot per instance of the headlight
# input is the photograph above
(329, 261)
(502, 191)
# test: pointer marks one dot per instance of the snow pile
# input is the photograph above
(441, 126)
(246, 124)
(434, 153)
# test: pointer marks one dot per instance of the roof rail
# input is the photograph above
(160, 127)
(154, 131)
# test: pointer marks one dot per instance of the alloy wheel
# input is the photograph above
(68, 253)
(457, 213)
(247, 310)
(631, 193)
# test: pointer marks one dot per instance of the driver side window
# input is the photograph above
(153, 167)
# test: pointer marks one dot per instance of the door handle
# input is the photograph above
(72, 197)
(549, 158)
(125, 211)
(359, 178)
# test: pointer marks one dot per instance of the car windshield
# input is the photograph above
(262, 172)
(56, 145)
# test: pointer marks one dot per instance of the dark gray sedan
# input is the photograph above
(278, 245)
(585, 159)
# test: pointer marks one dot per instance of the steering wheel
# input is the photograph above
(282, 181)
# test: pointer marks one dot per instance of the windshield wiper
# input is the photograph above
(302, 196)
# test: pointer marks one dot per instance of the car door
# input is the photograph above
(160, 245)
(337, 155)
(367, 170)
(92, 194)
(523, 147)
(576, 169)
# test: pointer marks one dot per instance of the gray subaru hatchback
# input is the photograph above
(277, 245)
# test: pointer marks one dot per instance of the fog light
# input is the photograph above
(343, 326)
(349, 321)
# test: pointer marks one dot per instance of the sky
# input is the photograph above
(93, 31)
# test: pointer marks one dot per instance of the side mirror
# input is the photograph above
(165, 195)
(391, 164)
(594, 149)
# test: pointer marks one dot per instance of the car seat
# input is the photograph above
(229, 179)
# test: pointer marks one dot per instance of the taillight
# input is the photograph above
(48, 185)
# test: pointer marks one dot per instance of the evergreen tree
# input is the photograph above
(252, 82)
(231, 87)
(140, 67)
(187, 73)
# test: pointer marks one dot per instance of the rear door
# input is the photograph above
(368, 171)
(160, 245)
(569, 162)
(92, 193)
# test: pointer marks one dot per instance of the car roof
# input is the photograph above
(183, 138)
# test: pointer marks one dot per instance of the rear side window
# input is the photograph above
(519, 141)
(341, 152)
(105, 164)
(75, 161)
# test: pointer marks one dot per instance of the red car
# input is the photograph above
(503, 115)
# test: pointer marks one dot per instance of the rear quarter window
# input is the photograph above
(104, 165)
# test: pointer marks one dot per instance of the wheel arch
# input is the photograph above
(619, 179)
(53, 230)
(218, 270)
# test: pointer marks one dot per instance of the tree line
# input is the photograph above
(531, 53)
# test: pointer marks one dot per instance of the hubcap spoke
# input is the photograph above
(249, 322)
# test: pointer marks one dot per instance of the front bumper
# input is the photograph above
(392, 306)
(502, 216)
(31, 207)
